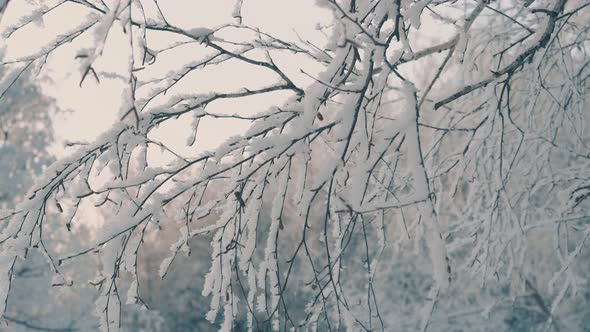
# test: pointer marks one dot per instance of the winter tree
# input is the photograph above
(405, 165)
(27, 136)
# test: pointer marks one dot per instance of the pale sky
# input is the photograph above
(91, 109)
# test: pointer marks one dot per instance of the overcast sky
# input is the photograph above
(89, 110)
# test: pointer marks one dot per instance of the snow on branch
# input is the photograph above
(458, 161)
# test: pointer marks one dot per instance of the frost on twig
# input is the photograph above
(459, 167)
